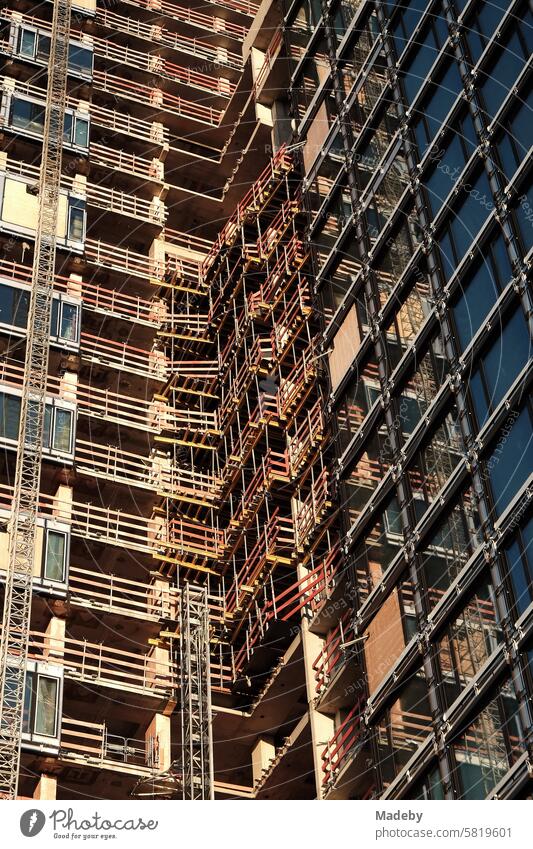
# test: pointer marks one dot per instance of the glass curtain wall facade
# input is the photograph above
(411, 121)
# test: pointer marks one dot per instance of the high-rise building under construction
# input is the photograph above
(265, 411)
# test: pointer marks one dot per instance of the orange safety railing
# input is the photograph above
(154, 416)
(275, 540)
(252, 202)
(105, 665)
(270, 56)
(241, 322)
(178, 41)
(154, 473)
(268, 241)
(293, 387)
(151, 364)
(273, 466)
(245, 7)
(189, 241)
(187, 537)
(102, 524)
(185, 274)
(286, 327)
(332, 654)
(102, 197)
(312, 511)
(152, 63)
(93, 743)
(291, 321)
(221, 676)
(308, 433)
(157, 98)
(107, 405)
(190, 16)
(260, 352)
(308, 592)
(123, 260)
(343, 744)
(246, 440)
(292, 256)
(33, 90)
(130, 125)
(111, 593)
(123, 203)
(114, 302)
(200, 369)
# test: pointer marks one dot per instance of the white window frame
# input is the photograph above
(18, 28)
(63, 301)
(74, 114)
(64, 531)
(34, 732)
(71, 207)
(72, 200)
(55, 405)
(38, 669)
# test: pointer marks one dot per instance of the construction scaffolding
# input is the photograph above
(184, 384)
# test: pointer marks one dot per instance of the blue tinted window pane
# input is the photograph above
(480, 293)
(447, 255)
(476, 44)
(67, 128)
(441, 180)
(483, 24)
(471, 213)
(9, 416)
(477, 392)
(519, 578)
(511, 460)
(524, 214)
(443, 99)
(527, 536)
(438, 105)
(47, 426)
(503, 73)
(419, 65)
(422, 138)
(469, 136)
(27, 43)
(507, 357)
(521, 125)
(81, 132)
(14, 305)
(399, 39)
(54, 317)
(501, 258)
(80, 58)
(472, 780)
(441, 28)
(527, 30)
(515, 142)
(490, 15)
(508, 158)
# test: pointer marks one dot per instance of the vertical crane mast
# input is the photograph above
(191, 775)
(195, 689)
(17, 604)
